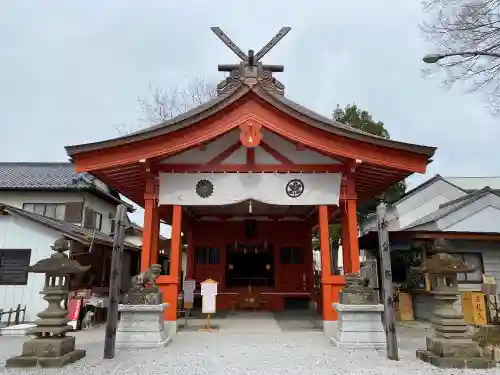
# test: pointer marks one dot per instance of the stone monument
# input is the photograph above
(451, 344)
(142, 324)
(360, 316)
(51, 347)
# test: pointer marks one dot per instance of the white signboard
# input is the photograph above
(208, 304)
(209, 289)
(209, 293)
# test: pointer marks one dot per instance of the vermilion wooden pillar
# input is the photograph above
(349, 223)
(149, 253)
(331, 285)
(169, 284)
(155, 232)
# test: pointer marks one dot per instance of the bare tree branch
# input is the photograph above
(163, 103)
(456, 26)
(167, 102)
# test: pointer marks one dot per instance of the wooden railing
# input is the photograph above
(17, 316)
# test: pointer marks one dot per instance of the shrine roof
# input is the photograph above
(222, 101)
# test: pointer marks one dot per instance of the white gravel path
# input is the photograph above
(273, 353)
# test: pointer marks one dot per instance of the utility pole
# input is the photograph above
(387, 289)
(114, 282)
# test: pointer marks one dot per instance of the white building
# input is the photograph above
(466, 214)
(40, 202)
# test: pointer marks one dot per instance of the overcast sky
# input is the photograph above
(70, 71)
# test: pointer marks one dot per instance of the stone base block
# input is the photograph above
(359, 327)
(453, 348)
(357, 343)
(27, 361)
(142, 327)
(457, 362)
(48, 346)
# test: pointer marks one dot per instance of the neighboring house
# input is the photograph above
(416, 203)
(55, 190)
(440, 209)
(26, 238)
(41, 202)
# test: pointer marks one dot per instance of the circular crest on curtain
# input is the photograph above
(294, 188)
(204, 188)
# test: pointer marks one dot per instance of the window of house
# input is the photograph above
(92, 219)
(207, 255)
(13, 266)
(291, 255)
(52, 210)
(98, 221)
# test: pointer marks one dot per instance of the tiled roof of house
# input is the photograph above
(450, 207)
(42, 176)
(75, 232)
(47, 176)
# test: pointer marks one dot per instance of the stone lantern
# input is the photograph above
(450, 345)
(51, 347)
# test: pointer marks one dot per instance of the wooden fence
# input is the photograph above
(17, 316)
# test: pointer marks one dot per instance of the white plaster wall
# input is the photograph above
(17, 198)
(19, 233)
(136, 240)
(211, 150)
(482, 216)
(280, 144)
(424, 209)
(416, 206)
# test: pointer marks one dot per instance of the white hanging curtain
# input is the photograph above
(215, 189)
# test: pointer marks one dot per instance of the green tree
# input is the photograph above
(360, 119)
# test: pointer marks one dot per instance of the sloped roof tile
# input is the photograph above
(450, 207)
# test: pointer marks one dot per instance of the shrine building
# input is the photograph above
(246, 178)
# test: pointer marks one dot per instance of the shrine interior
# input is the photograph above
(254, 246)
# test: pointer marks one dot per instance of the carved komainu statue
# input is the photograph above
(147, 278)
(143, 289)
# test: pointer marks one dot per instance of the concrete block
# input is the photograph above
(142, 327)
(359, 326)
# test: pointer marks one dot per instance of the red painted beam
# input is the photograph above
(234, 168)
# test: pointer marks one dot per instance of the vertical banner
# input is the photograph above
(387, 289)
(74, 307)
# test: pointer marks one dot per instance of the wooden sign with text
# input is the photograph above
(208, 304)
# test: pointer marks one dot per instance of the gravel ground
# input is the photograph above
(226, 352)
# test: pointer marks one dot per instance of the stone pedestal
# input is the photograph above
(51, 347)
(142, 327)
(450, 345)
(47, 352)
(359, 327)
